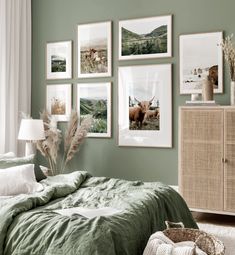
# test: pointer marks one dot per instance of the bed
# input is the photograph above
(31, 224)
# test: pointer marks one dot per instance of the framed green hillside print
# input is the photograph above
(94, 101)
(145, 38)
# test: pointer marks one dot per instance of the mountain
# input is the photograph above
(160, 31)
(128, 35)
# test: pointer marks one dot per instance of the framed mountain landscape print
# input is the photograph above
(94, 50)
(145, 38)
(94, 101)
(59, 60)
(201, 56)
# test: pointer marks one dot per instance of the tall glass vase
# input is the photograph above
(232, 93)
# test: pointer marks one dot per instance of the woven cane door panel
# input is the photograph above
(201, 151)
(229, 166)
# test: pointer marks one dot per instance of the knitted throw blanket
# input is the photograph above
(159, 244)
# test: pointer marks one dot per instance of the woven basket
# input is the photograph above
(206, 242)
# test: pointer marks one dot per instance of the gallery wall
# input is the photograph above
(56, 20)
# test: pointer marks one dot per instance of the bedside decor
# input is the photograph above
(229, 54)
(49, 147)
(74, 136)
(31, 130)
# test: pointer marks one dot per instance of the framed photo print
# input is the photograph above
(94, 100)
(144, 106)
(59, 101)
(145, 38)
(94, 50)
(200, 56)
(59, 60)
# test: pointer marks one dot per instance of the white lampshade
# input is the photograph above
(31, 130)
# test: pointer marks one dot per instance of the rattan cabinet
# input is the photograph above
(207, 158)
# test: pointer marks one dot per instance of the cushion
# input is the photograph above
(10, 162)
(7, 155)
(18, 180)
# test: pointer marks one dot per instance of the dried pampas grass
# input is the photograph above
(74, 136)
(50, 146)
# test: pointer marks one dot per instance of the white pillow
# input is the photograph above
(7, 155)
(18, 180)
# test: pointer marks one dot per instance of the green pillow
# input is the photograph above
(10, 162)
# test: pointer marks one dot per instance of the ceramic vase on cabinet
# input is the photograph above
(232, 93)
(207, 90)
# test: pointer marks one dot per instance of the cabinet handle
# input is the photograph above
(224, 160)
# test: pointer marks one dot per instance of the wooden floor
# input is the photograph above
(223, 220)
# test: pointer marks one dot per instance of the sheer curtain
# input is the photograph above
(15, 69)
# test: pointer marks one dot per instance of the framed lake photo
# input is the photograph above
(201, 56)
(94, 100)
(58, 101)
(145, 38)
(144, 106)
(59, 60)
(94, 50)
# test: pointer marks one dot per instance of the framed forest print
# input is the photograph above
(94, 101)
(144, 106)
(94, 50)
(59, 60)
(201, 56)
(145, 38)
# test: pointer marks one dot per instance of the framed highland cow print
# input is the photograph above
(145, 38)
(201, 56)
(58, 101)
(59, 60)
(94, 50)
(94, 101)
(144, 106)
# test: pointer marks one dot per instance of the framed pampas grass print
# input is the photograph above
(58, 101)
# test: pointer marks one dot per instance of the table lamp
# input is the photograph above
(31, 130)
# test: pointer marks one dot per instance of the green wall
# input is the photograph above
(55, 20)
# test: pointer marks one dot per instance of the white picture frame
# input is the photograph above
(89, 97)
(59, 60)
(58, 101)
(139, 84)
(145, 38)
(200, 55)
(94, 45)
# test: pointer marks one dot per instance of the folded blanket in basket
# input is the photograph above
(159, 244)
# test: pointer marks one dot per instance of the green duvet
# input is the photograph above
(29, 224)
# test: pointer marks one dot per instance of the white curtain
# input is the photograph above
(15, 69)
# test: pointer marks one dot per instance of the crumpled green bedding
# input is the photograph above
(29, 225)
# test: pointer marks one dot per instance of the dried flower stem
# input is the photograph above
(76, 137)
(229, 54)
